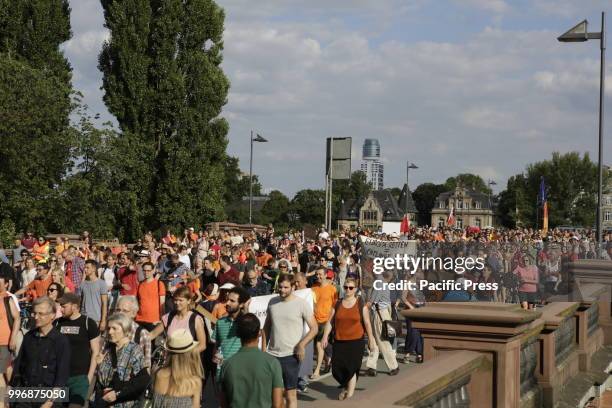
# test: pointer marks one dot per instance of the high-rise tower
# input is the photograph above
(371, 165)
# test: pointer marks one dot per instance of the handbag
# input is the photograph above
(390, 328)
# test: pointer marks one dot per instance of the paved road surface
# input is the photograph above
(326, 387)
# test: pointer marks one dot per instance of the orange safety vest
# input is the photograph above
(39, 252)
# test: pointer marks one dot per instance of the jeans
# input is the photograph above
(414, 341)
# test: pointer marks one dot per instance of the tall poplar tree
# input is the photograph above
(163, 81)
(35, 88)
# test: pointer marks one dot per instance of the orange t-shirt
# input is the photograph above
(38, 287)
(5, 330)
(194, 286)
(263, 260)
(325, 298)
(148, 298)
(219, 311)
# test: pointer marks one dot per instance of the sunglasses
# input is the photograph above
(51, 290)
(349, 287)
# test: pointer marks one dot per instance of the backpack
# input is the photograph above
(9, 315)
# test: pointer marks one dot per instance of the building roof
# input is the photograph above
(392, 211)
(402, 201)
(349, 209)
(475, 195)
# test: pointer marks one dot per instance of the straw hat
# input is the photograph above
(180, 341)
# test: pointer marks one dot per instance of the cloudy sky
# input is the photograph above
(454, 86)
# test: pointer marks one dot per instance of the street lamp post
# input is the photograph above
(491, 183)
(580, 33)
(258, 138)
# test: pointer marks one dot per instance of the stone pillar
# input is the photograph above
(559, 360)
(583, 275)
(499, 331)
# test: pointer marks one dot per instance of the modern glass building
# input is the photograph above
(371, 164)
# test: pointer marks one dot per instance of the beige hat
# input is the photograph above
(180, 341)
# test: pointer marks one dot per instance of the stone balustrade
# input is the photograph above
(455, 380)
(558, 361)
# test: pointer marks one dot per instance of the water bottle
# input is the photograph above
(218, 357)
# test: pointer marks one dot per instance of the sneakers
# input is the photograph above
(371, 372)
(394, 372)
(302, 386)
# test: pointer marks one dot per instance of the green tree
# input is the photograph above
(467, 180)
(32, 31)
(424, 197)
(396, 192)
(571, 181)
(35, 106)
(343, 190)
(35, 148)
(512, 209)
(275, 209)
(309, 205)
(88, 200)
(237, 185)
(167, 101)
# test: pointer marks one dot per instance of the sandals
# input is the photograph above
(343, 395)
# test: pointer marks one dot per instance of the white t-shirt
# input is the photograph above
(287, 318)
(27, 276)
(186, 260)
(109, 277)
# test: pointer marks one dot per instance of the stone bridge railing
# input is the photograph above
(533, 354)
(480, 354)
(453, 380)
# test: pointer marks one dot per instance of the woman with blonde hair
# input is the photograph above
(57, 275)
(179, 383)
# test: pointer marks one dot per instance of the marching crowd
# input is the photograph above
(151, 323)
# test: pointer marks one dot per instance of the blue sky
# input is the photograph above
(455, 86)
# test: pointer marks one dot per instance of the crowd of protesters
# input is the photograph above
(153, 322)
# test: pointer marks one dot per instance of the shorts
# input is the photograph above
(78, 388)
(529, 297)
(320, 332)
(291, 369)
(5, 358)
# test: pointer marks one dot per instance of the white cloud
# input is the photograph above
(490, 102)
(495, 6)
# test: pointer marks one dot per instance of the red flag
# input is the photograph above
(405, 225)
(450, 221)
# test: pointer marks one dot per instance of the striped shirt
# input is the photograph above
(226, 338)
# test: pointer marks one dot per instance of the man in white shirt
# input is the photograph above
(283, 330)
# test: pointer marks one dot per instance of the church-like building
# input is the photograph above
(377, 208)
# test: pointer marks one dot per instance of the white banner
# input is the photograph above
(391, 227)
(376, 248)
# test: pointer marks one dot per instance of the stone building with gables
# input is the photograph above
(472, 208)
(379, 206)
